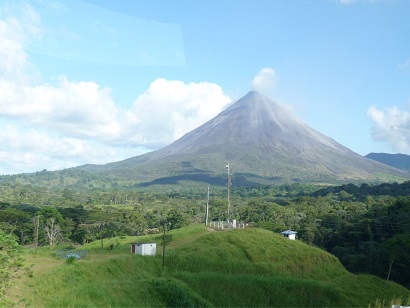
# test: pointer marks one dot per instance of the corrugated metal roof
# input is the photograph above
(288, 232)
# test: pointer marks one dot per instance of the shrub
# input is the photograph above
(70, 259)
(11, 264)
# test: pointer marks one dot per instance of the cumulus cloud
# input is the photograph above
(78, 108)
(170, 108)
(264, 81)
(163, 113)
(391, 126)
(25, 150)
(65, 123)
(15, 33)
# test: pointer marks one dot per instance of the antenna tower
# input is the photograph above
(228, 166)
(207, 207)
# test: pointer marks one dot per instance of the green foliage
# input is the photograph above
(16, 221)
(390, 189)
(70, 260)
(11, 264)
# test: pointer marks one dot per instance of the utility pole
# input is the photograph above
(207, 207)
(228, 166)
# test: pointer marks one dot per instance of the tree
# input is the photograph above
(11, 264)
(16, 221)
(218, 209)
(103, 223)
(65, 226)
(396, 251)
(53, 231)
(176, 218)
(132, 222)
(74, 217)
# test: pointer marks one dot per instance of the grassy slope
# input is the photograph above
(250, 267)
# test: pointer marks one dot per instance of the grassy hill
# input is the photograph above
(251, 267)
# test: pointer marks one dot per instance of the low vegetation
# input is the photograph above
(251, 267)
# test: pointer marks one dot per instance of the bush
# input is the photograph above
(11, 264)
(70, 259)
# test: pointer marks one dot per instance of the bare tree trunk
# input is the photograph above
(391, 261)
(53, 231)
(36, 221)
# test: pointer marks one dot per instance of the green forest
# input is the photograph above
(367, 227)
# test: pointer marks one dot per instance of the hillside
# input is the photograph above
(399, 161)
(250, 267)
(265, 143)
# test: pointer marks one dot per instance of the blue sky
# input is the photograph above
(97, 81)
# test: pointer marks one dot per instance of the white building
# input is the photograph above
(144, 249)
(289, 234)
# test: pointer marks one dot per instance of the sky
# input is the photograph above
(98, 81)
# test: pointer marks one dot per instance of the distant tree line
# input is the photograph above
(363, 190)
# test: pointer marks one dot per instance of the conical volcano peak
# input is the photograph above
(258, 98)
(257, 109)
(255, 98)
(254, 94)
(252, 98)
(264, 139)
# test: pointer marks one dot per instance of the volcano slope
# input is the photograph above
(265, 142)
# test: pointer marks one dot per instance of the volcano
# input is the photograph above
(264, 141)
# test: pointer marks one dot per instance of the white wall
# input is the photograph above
(146, 249)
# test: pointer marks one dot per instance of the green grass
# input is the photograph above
(257, 252)
(240, 268)
(250, 291)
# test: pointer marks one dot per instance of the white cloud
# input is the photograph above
(264, 81)
(69, 123)
(27, 150)
(170, 108)
(15, 33)
(78, 108)
(392, 127)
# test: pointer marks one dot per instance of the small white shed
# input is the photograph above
(289, 234)
(144, 249)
